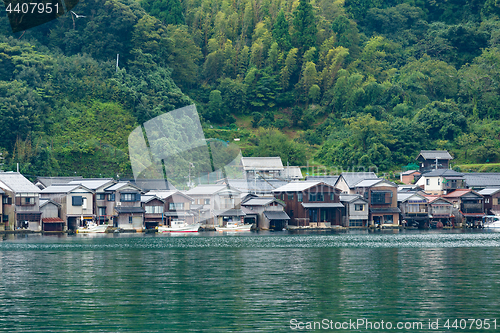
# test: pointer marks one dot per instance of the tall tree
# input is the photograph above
(304, 24)
(281, 33)
(168, 11)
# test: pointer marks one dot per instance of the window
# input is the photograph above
(379, 197)
(25, 201)
(154, 209)
(130, 219)
(7, 200)
(130, 197)
(495, 201)
(427, 182)
(299, 197)
(176, 206)
(355, 223)
(388, 219)
(312, 196)
(439, 181)
(100, 196)
(111, 197)
(320, 197)
(84, 203)
(359, 208)
(101, 211)
(332, 196)
(5, 218)
(207, 201)
(290, 196)
(486, 200)
(77, 200)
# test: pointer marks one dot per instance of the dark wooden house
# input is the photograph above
(468, 206)
(313, 204)
(433, 159)
(381, 195)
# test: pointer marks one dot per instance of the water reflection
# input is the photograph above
(243, 283)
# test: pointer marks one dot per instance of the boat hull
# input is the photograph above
(187, 228)
(100, 229)
(242, 227)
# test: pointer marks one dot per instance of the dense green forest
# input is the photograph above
(326, 82)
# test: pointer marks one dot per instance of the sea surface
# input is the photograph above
(252, 282)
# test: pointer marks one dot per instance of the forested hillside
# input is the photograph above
(337, 83)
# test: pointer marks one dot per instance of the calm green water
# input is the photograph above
(246, 283)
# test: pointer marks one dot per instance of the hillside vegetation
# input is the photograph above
(339, 83)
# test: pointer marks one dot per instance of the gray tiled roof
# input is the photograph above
(258, 201)
(18, 183)
(92, 184)
(433, 154)
(482, 179)
(442, 173)
(276, 215)
(330, 180)
(48, 181)
(489, 191)
(296, 186)
(352, 178)
(262, 163)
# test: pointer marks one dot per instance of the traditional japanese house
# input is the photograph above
(51, 222)
(102, 207)
(433, 159)
(221, 203)
(491, 200)
(356, 210)
(269, 212)
(154, 208)
(127, 212)
(468, 206)
(381, 195)
(76, 203)
(440, 210)
(263, 167)
(414, 209)
(21, 205)
(44, 182)
(177, 206)
(313, 204)
(441, 181)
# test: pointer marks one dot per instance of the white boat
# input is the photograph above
(179, 226)
(491, 221)
(234, 226)
(93, 228)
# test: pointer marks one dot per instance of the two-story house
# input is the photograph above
(414, 209)
(433, 159)
(125, 200)
(103, 209)
(176, 206)
(356, 210)
(311, 204)
(263, 167)
(441, 181)
(220, 203)
(21, 205)
(76, 201)
(468, 206)
(381, 195)
(440, 211)
(153, 211)
(269, 212)
(491, 200)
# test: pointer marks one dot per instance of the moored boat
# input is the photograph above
(491, 222)
(93, 228)
(179, 226)
(234, 226)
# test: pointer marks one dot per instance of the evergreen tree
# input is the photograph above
(281, 33)
(168, 11)
(304, 25)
